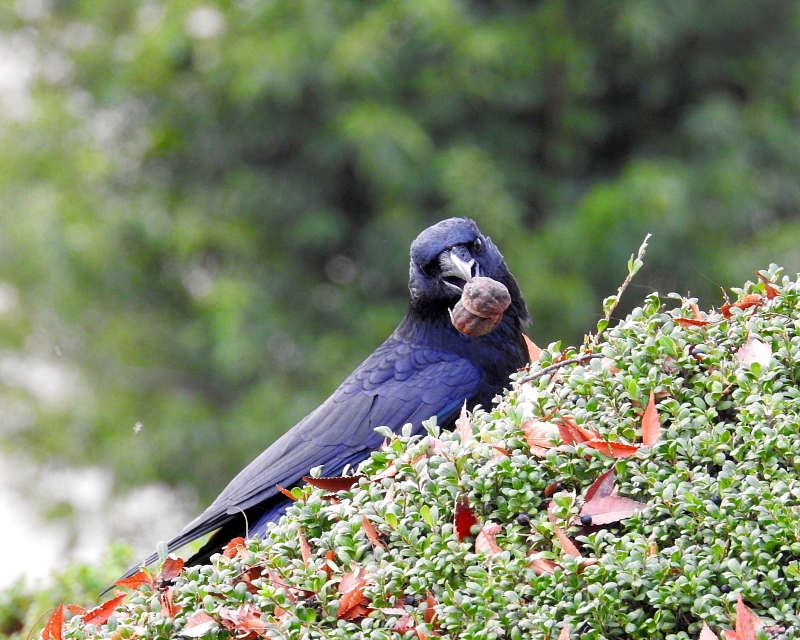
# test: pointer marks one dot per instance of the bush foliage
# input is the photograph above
(476, 533)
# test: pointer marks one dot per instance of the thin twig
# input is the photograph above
(557, 365)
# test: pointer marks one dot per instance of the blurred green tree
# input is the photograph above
(207, 206)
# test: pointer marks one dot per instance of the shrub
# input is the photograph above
(484, 532)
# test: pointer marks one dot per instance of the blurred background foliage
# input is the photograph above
(207, 204)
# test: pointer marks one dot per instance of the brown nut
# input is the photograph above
(485, 297)
(471, 325)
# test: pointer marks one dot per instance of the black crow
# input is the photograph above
(426, 368)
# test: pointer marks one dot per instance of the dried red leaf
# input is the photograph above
(486, 541)
(730, 634)
(305, 549)
(405, 623)
(543, 566)
(54, 629)
(236, 548)
(706, 633)
(695, 311)
(551, 511)
(247, 618)
(610, 509)
(753, 350)
(334, 484)
(464, 426)
(372, 535)
(100, 614)
(77, 610)
(746, 621)
(421, 635)
(614, 449)
(748, 301)
(586, 562)
(329, 558)
(168, 606)
(603, 486)
(573, 433)
(253, 573)
(430, 613)
(171, 569)
(539, 436)
(500, 452)
(465, 519)
(534, 352)
(567, 544)
(353, 602)
(550, 489)
(692, 322)
(651, 425)
(772, 290)
(198, 625)
(564, 635)
(286, 492)
(137, 580)
(437, 447)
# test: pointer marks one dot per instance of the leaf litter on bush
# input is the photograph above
(619, 540)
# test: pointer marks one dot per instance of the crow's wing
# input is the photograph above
(399, 383)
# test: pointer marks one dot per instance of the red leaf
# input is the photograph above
(54, 629)
(602, 487)
(748, 301)
(772, 290)
(564, 635)
(464, 426)
(539, 436)
(551, 511)
(171, 569)
(421, 634)
(567, 544)
(328, 566)
(305, 549)
(610, 509)
(695, 311)
(465, 519)
(430, 613)
(286, 492)
(573, 433)
(691, 322)
(100, 615)
(78, 611)
(651, 425)
(486, 542)
(168, 606)
(731, 635)
(372, 535)
(405, 623)
(137, 580)
(614, 449)
(542, 566)
(235, 548)
(746, 621)
(706, 633)
(534, 352)
(353, 603)
(198, 625)
(755, 351)
(246, 618)
(335, 484)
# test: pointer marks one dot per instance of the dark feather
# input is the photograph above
(425, 368)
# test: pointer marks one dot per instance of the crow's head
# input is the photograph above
(447, 255)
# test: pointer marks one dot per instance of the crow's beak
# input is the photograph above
(458, 268)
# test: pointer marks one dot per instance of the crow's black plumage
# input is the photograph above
(425, 368)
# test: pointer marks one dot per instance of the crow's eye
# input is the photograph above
(477, 245)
